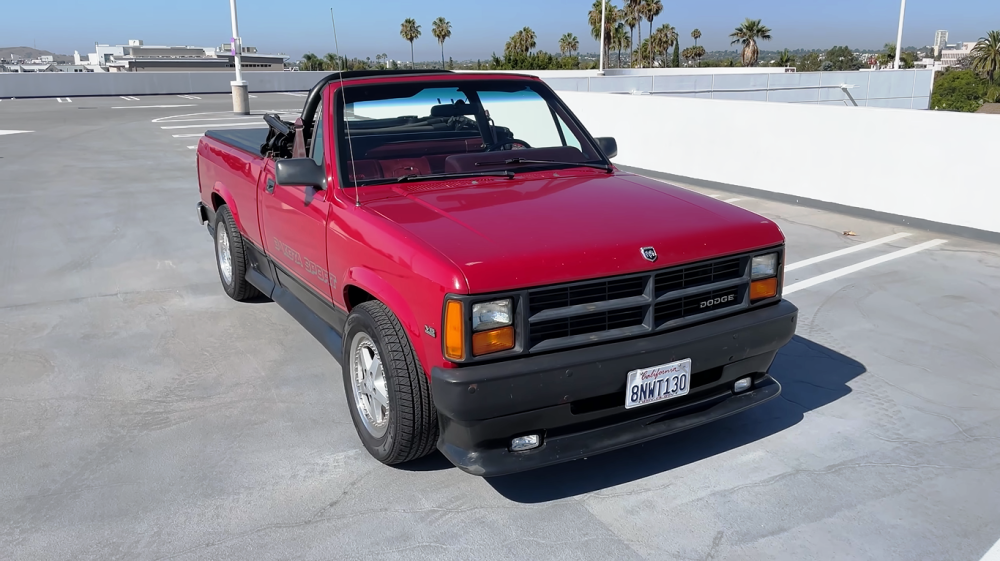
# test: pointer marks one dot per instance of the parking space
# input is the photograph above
(144, 415)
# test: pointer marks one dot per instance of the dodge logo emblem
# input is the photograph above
(649, 253)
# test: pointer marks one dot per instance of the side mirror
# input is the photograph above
(608, 145)
(299, 171)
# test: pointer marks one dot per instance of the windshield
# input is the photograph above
(464, 127)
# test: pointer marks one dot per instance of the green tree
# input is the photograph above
(634, 10)
(809, 62)
(696, 34)
(332, 62)
(651, 9)
(747, 34)
(610, 20)
(958, 90)
(699, 52)
(568, 44)
(630, 17)
(311, 62)
(441, 30)
(676, 63)
(410, 31)
(620, 41)
(688, 55)
(786, 59)
(522, 42)
(843, 58)
(664, 38)
(986, 57)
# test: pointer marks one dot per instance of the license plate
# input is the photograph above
(658, 383)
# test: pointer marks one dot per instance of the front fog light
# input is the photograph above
(491, 315)
(742, 385)
(764, 266)
(523, 443)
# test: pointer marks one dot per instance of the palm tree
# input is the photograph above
(698, 52)
(747, 34)
(310, 62)
(637, 8)
(620, 41)
(568, 43)
(410, 31)
(652, 8)
(331, 62)
(521, 42)
(696, 34)
(661, 41)
(986, 57)
(441, 30)
(610, 19)
(631, 19)
(887, 58)
(786, 59)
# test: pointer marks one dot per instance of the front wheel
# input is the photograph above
(230, 256)
(389, 394)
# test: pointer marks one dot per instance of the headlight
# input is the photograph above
(764, 266)
(491, 315)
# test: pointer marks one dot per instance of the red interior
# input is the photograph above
(405, 158)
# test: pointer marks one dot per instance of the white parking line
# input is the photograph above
(258, 118)
(847, 251)
(152, 106)
(731, 200)
(292, 93)
(715, 196)
(258, 124)
(64, 100)
(195, 147)
(795, 287)
(129, 97)
(993, 554)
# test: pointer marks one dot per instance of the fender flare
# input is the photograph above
(372, 283)
(227, 197)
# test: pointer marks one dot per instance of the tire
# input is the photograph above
(230, 257)
(409, 427)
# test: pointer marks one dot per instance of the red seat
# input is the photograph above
(405, 166)
(363, 169)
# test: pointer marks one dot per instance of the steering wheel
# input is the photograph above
(509, 144)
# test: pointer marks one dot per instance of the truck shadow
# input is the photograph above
(810, 374)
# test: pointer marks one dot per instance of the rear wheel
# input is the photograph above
(389, 394)
(230, 256)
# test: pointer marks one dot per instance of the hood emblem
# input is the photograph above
(649, 253)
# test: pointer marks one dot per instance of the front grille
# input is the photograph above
(588, 323)
(617, 307)
(698, 275)
(695, 304)
(574, 295)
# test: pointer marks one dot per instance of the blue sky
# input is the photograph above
(367, 28)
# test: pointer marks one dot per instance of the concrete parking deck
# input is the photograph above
(145, 415)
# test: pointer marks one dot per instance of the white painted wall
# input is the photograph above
(863, 157)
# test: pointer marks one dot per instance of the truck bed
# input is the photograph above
(248, 140)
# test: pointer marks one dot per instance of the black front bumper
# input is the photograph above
(576, 399)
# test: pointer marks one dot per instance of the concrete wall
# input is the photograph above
(905, 89)
(148, 83)
(867, 158)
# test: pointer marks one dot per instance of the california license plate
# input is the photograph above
(658, 383)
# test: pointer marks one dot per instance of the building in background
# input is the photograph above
(951, 54)
(940, 41)
(139, 57)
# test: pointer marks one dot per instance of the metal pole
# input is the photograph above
(604, 10)
(241, 94)
(899, 36)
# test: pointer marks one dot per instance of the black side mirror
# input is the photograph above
(300, 171)
(608, 145)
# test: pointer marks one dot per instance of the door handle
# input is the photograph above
(270, 186)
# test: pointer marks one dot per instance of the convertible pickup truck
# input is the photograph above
(491, 285)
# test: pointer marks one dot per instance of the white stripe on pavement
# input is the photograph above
(129, 97)
(993, 554)
(849, 250)
(193, 147)
(258, 124)
(188, 135)
(715, 196)
(64, 100)
(2, 133)
(152, 106)
(292, 93)
(731, 200)
(189, 96)
(259, 118)
(863, 265)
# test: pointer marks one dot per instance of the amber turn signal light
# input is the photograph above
(454, 331)
(767, 288)
(493, 341)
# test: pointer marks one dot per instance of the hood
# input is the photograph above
(547, 228)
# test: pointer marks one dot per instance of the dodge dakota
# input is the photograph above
(490, 283)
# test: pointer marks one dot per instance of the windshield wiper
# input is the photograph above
(432, 176)
(605, 167)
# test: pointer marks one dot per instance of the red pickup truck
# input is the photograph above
(490, 283)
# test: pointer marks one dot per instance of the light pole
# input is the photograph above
(604, 10)
(899, 36)
(241, 95)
